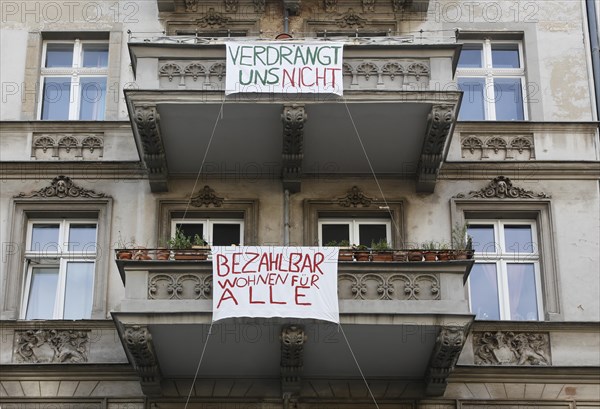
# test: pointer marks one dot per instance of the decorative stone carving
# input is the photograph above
(61, 187)
(206, 197)
(448, 345)
(368, 6)
(388, 286)
(511, 348)
(219, 70)
(162, 286)
(231, 6)
(395, 74)
(292, 6)
(293, 117)
(51, 346)
(140, 350)
(195, 70)
(292, 360)
(367, 69)
(147, 123)
(191, 6)
(351, 19)
(501, 187)
(400, 5)
(69, 146)
(259, 6)
(497, 147)
(213, 19)
(440, 121)
(169, 70)
(330, 5)
(354, 198)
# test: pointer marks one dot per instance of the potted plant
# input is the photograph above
(415, 254)
(188, 248)
(381, 251)
(461, 242)
(163, 252)
(345, 251)
(444, 252)
(361, 252)
(430, 250)
(123, 250)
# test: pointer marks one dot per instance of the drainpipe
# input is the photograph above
(286, 217)
(286, 19)
(593, 33)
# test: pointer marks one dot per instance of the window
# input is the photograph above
(216, 232)
(73, 80)
(492, 77)
(505, 280)
(356, 231)
(60, 256)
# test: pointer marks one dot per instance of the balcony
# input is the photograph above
(406, 323)
(399, 108)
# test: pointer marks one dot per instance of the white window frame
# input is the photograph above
(59, 258)
(354, 226)
(488, 73)
(75, 73)
(208, 224)
(501, 257)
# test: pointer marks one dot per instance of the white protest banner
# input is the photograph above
(283, 67)
(295, 282)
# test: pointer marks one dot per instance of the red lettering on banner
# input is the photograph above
(251, 299)
(221, 261)
(225, 298)
(298, 295)
(271, 297)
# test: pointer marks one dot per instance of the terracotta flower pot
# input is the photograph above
(124, 254)
(415, 255)
(430, 255)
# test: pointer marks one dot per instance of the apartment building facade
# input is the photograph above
(457, 118)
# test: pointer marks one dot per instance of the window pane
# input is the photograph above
(521, 291)
(191, 229)
(372, 233)
(518, 239)
(79, 290)
(44, 237)
(472, 107)
(226, 234)
(335, 232)
(505, 56)
(93, 98)
(484, 291)
(508, 97)
(95, 55)
(59, 55)
(483, 237)
(42, 293)
(470, 56)
(82, 237)
(56, 98)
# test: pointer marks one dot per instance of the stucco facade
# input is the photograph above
(169, 147)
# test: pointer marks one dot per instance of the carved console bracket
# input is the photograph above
(440, 121)
(293, 118)
(448, 345)
(61, 187)
(502, 187)
(292, 6)
(140, 352)
(292, 361)
(147, 123)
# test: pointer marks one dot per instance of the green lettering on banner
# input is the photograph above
(247, 56)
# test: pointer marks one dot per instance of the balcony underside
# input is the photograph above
(398, 134)
(405, 322)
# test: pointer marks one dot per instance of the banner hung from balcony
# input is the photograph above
(294, 282)
(283, 67)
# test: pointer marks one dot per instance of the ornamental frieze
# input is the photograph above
(37, 346)
(67, 146)
(497, 147)
(62, 187)
(511, 348)
(502, 187)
